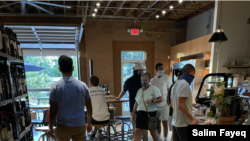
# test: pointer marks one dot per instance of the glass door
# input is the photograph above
(129, 58)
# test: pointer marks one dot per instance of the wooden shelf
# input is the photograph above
(24, 132)
(11, 59)
(237, 67)
(5, 102)
(22, 96)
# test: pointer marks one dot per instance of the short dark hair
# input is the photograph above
(187, 69)
(158, 65)
(65, 63)
(94, 80)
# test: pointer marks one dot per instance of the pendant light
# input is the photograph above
(218, 35)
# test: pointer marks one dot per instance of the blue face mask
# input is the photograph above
(160, 73)
(188, 78)
(144, 84)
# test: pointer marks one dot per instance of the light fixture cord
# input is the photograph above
(220, 12)
(218, 49)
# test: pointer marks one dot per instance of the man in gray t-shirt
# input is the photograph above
(68, 98)
(181, 102)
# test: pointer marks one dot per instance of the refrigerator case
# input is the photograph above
(198, 64)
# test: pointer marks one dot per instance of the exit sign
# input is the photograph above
(134, 31)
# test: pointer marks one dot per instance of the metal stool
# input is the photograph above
(124, 135)
(44, 129)
(99, 131)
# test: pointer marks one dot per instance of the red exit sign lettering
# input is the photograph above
(134, 31)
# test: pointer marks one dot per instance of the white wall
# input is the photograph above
(233, 22)
(200, 25)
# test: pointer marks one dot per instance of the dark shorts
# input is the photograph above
(99, 122)
(180, 133)
(142, 119)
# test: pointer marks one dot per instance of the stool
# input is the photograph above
(99, 131)
(44, 129)
(123, 133)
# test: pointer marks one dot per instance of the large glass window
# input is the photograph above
(39, 82)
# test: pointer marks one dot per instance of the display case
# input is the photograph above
(207, 87)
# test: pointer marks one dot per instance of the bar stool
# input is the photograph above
(99, 131)
(124, 134)
(44, 129)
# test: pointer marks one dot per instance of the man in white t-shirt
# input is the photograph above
(182, 103)
(100, 114)
(163, 83)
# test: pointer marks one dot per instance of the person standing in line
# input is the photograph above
(146, 105)
(132, 85)
(182, 103)
(68, 98)
(100, 112)
(170, 126)
(163, 83)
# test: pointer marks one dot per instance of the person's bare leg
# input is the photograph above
(159, 127)
(171, 137)
(165, 128)
(145, 135)
(154, 135)
(138, 134)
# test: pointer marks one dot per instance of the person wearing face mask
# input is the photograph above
(146, 98)
(163, 82)
(132, 85)
(182, 103)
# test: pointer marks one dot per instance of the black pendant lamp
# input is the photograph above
(218, 35)
(248, 21)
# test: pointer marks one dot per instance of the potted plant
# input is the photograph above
(223, 105)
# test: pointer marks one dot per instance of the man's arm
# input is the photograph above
(121, 95)
(89, 110)
(135, 107)
(181, 106)
(52, 114)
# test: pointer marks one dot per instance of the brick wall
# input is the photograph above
(100, 34)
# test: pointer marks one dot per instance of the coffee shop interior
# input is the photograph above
(106, 39)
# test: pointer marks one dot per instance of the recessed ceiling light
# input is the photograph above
(93, 14)
(95, 10)
(98, 4)
(163, 12)
(180, 1)
(157, 16)
(171, 6)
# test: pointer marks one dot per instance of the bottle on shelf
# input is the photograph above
(26, 112)
(19, 81)
(9, 125)
(14, 81)
(23, 79)
(19, 50)
(6, 81)
(11, 115)
(7, 41)
(18, 117)
(4, 131)
(1, 40)
(12, 43)
(2, 89)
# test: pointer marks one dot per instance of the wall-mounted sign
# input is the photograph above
(134, 31)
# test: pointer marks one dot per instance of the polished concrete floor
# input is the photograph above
(37, 134)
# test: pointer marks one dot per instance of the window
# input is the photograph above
(129, 58)
(39, 82)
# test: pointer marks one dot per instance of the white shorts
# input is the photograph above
(163, 112)
(170, 126)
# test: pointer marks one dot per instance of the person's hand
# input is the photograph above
(51, 133)
(194, 121)
(89, 127)
(149, 101)
(133, 117)
(196, 105)
(116, 98)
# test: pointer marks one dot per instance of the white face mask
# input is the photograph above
(160, 73)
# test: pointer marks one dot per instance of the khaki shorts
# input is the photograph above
(163, 113)
(65, 133)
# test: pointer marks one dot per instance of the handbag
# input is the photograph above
(152, 121)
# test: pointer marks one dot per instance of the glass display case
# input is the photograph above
(207, 87)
